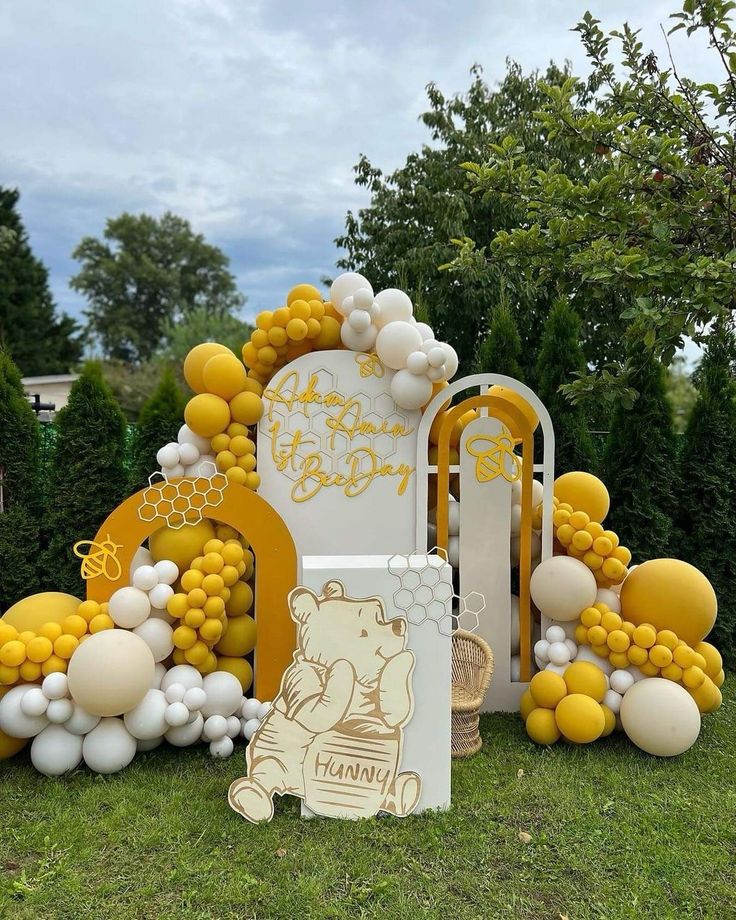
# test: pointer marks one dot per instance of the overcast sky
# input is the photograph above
(247, 116)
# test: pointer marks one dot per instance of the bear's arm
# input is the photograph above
(395, 688)
(322, 710)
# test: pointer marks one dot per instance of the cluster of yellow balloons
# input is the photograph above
(28, 655)
(307, 323)
(235, 455)
(588, 541)
(225, 395)
(567, 706)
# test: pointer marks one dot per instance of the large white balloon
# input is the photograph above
(410, 391)
(158, 636)
(109, 747)
(141, 557)
(13, 721)
(224, 694)
(147, 721)
(610, 598)
(129, 607)
(660, 717)
(357, 341)
(394, 305)
(110, 672)
(56, 751)
(395, 342)
(187, 436)
(562, 587)
(346, 285)
(183, 674)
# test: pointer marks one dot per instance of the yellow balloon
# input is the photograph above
(195, 361)
(580, 718)
(240, 601)
(547, 689)
(239, 667)
(541, 726)
(34, 612)
(707, 696)
(207, 414)
(526, 705)
(713, 660)
(180, 546)
(585, 678)
(512, 397)
(246, 408)
(610, 721)
(9, 747)
(329, 334)
(224, 376)
(584, 492)
(303, 292)
(670, 594)
(239, 637)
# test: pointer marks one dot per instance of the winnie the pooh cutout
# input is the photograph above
(334, 734)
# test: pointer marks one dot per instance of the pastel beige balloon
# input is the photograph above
(110, 672)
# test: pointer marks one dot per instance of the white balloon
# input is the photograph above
(55, 686)
(250, 709)
(559, 653)
(363, 298)
(222, 748)
(585, 653)
(410, 391)
(621, 681)
(204, 467)
(572, 646)
(610, 598)
(233, 726)
(264, 709)
(158, 676)
(141, 557)
(187, 436)
(59, 711)
(158, 614)
(436, 373)
(185, 735)
(555, 634)
(417, 363)
(562, 587)
(158, 636)
(145, 577)
(436, 356)
(395, 306)
(174, 693)
(612, 699)
(537, 492)
(109, 747)
(81, 721)
(346, 285)
(34, 702)
(660, 717)
(515, 520)
(143, 746)
(515, 669)
(176, 714)
(168, 455)
(188, 454)
(541, 650)
(250, 728)
(56, 751)
(360, 320)
(147, 721)
(224, 694)
(214, 727)
(425, 331)
(129, 607)
(453, 518)
(183, 674)
(395, 342)
(166, 571)
(194, 699)
(13, 720)
(451, 360)
(175, 472)
(358, 341)
(556, 668)
(453, 551)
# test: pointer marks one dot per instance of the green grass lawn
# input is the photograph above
(614, 833)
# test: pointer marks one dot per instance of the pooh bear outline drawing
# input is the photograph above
(333, 736)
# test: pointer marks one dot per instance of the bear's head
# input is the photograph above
(335, 626)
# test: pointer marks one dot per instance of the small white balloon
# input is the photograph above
(453, 551)
(264, 709)
(152, 744)
(621, 681)
(395, 306)
(187, 436)
(410, 391)
(250, 728)
(346, 285)
(188, 454)
(555, 634)
(183, 674)
(55, 686)
(358, 341)
(363, 298)
(451, 361)
(541, 650)
(141, 557)
(166, 571)
(145, 577)
(249, 709)
(559, 653)
(13, 720)
(158, 636)
(59, 711)
(109, 747)
(56, 751)
(572, 646)
(168, 455)
(160, 595)
(360, 320)
(612, 699)
(194, 699)
(436, 356)
(515, 520)
(129, 607)
(417, 363)
(609, 598)
(436, 373)
(174, 693)
(81, 721)
(34, 702)
(222, 748)
(214, 727)
(233, 726)
(176, 714)
(453, 518)
(158, 676)
(187, 734)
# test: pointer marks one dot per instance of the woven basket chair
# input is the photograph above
(472, 669)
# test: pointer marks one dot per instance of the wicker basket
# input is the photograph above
(472, 669)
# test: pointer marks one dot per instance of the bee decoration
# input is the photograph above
(99, 559)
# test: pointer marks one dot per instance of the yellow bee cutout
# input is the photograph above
(101, 559)
(370, 365)
(496, 457)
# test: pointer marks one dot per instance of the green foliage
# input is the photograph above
(640, 462)
(39, 341)
(202, 325)
(707, 490)
(145, 275)
(160, 419)
(645, 236)
(680, 392)
(404, 235)
(88, 476)
(19, 488)
(560, 359)
(500, 351)
(133, 384)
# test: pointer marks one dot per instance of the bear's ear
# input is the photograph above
(333, 589)
(302, 603)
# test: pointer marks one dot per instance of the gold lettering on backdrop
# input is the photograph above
(299, 451)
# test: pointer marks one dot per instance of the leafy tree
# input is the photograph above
(202, 325)
(500, 351)
(87, 475)
(647, 232)
(160, 419)
(560, 359)
(145, 273)
(404, 235)
(640, 461)
(132, 384)
(39, 341)
(19, 488)
(680, 392)
(707, 488)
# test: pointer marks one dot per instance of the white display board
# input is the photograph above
(427, 741)
(337, 456)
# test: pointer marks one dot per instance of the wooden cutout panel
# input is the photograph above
(333, 736)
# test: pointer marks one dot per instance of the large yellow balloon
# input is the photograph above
(670, 594)
(511, 396)
(9, 747)
(303, 292)
(580, 718)
(195, 361)
(585, 492)
(35, 611)
(207, 414)
(182, 545)
(224, 376)
(239, 638)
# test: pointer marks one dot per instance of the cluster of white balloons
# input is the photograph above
(556, 650)
(189, 455)
(141, 607)
(385, 322)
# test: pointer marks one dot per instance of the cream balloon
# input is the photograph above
(130, 606)
(158, 636)
(357, 341)
(345, 286)
(410, 391)
(561, 587)
(395, 342)
(660, 717)
(109, 746)
(110, 672)
(56, 751)
(394, 305)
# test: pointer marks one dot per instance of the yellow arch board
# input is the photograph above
(276, 575)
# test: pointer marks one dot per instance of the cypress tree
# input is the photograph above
(707, 485)
(500, 351)
(20, 443)
(159, 420)
(640, 462)
(560, 358)
(87, 475)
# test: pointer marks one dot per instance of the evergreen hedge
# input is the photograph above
(160, 419)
